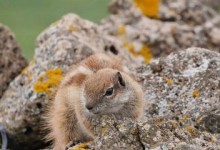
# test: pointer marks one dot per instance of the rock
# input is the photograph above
(182, 11)
(65, 42)
(183, 106)
(183, 97)
(215, 4)
(182, 90)
(181, 24)
(116, 134)
(11, 60)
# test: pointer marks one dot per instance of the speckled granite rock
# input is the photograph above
(65, 42)
(11, 59)
(116, 134)
(188, 12)
(183, 96)
(212, 3)
(183, 91)
(181, 24)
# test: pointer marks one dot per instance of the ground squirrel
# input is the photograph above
(96, 86)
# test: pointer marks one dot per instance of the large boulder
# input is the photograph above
(215, 4)
(11, 60)
(65, 42)
(179, 25)
(186, 12)
(182, 92)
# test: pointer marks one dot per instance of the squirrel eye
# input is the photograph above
(109, 91)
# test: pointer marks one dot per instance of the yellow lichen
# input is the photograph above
(133, 131)
(72, 28)
(140, 50)
(83, 146)
(104, 129)
(174, 123)
(195, 93)
(169, 81)
(48, 80)
(149, 8)
(159, 120)
(191, 130)
(121, 30)
(198, 120)
(185, 117)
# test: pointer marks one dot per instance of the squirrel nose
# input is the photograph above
(89, 107)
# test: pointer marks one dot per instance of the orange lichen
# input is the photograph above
(191, 130)
(48, 80)
(72, 28)
(169, 81)
(185, 117)
(149, 7)
(195, 93)
(133, 131)
(174, 123)
(198, 120)
(83, 146)
(159, 121)
(143, 51)
(104, 129)
(121, 30)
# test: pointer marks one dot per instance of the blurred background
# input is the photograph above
(28, 18)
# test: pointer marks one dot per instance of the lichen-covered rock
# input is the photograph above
(181, 11)
(120, 135)
(182, 92)
(113, 134)
(11, 59)
(181, 24)
(212, 3)
(65, 42)
(188, 81)
(186, 12)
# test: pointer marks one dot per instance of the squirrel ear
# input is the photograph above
(120, 79)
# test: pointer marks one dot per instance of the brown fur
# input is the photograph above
(76, 80)
(85, 86)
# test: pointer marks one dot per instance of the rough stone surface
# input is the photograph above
(188, 12)
(116, 134)
(181, 24)
(183, 96)
(182, 90)
(215, 4)
(65, 42)
(11, 59)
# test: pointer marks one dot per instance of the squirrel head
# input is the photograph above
(107, 91)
